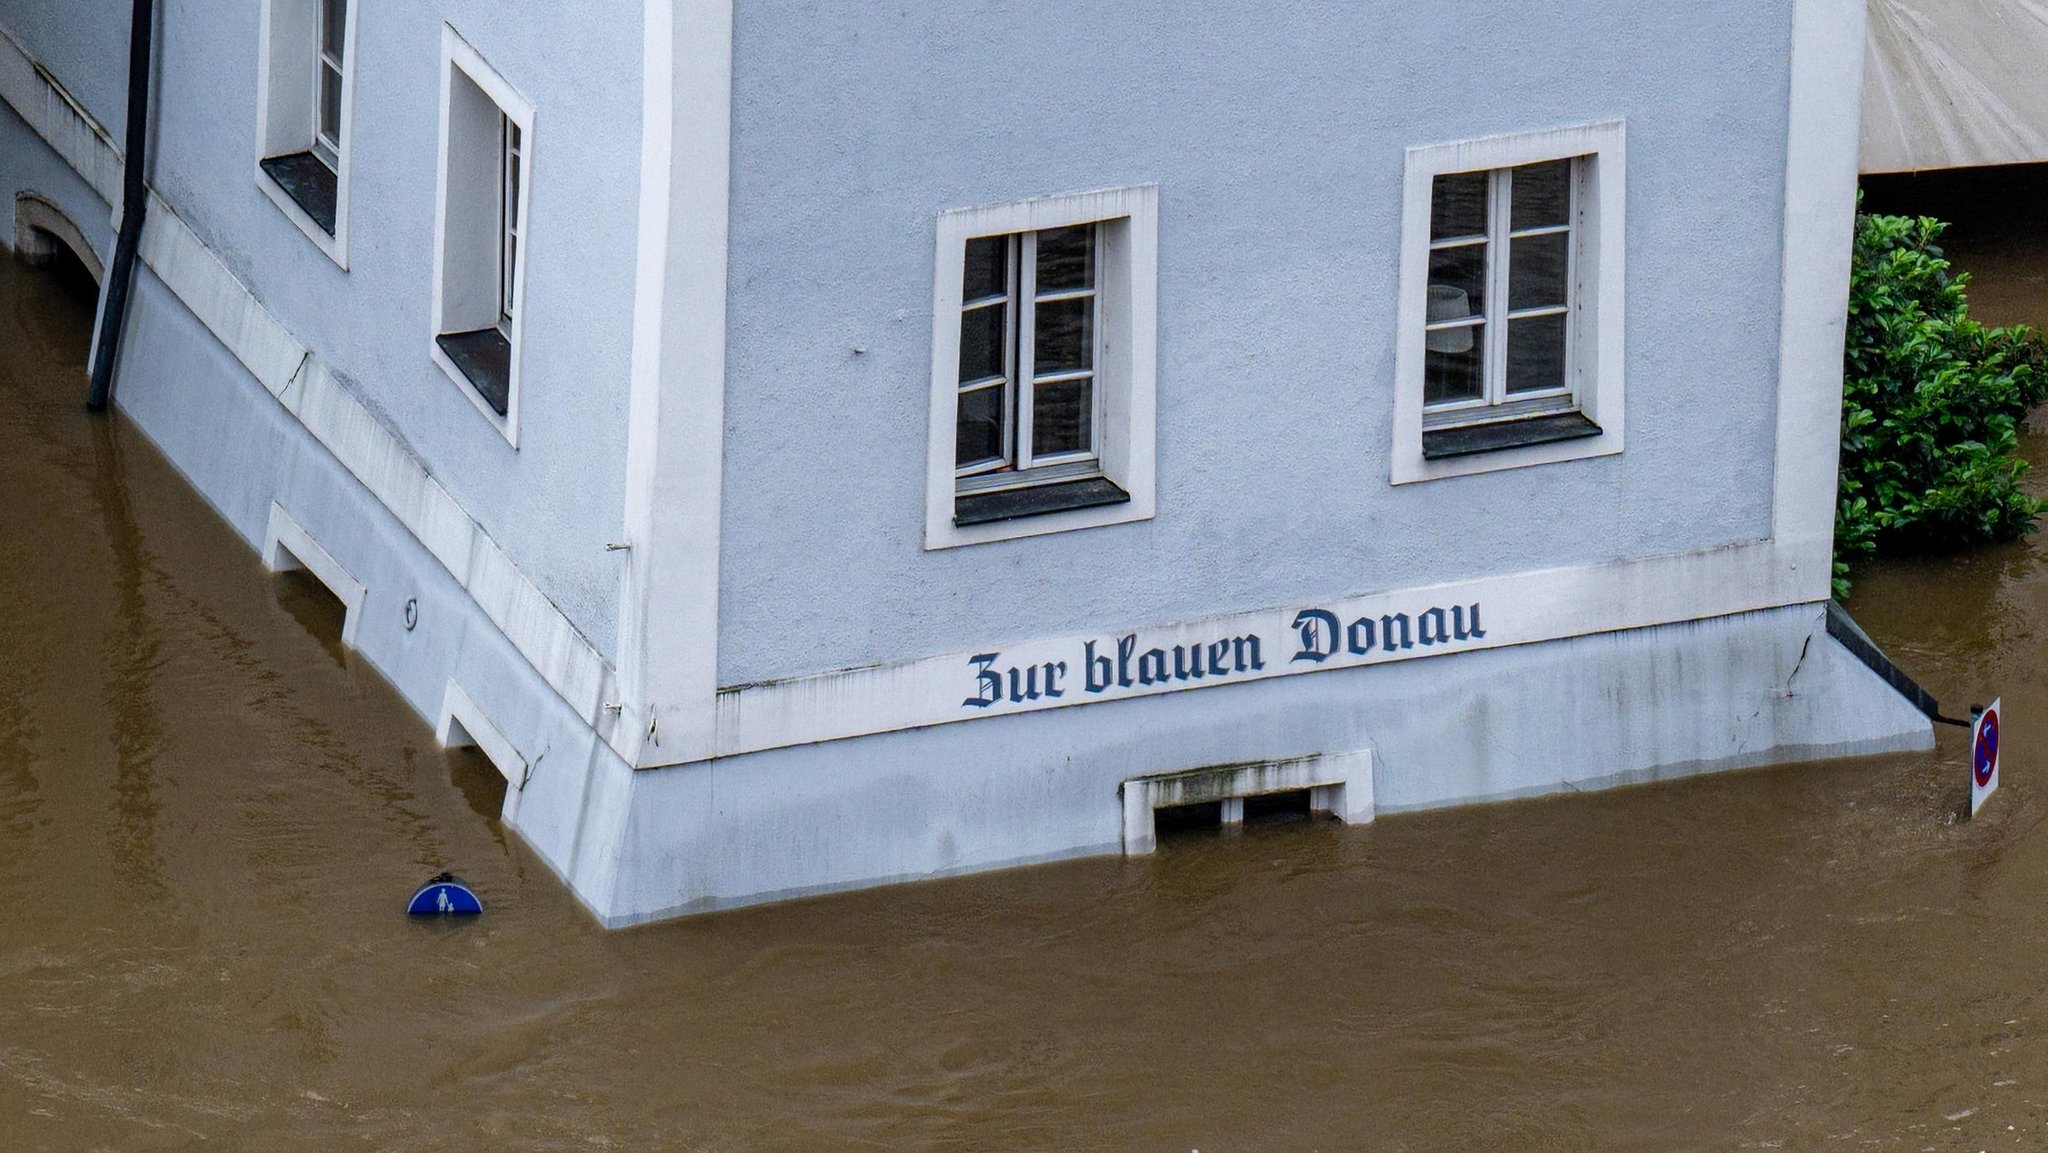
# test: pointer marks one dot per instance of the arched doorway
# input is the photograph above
(47, 239)
(43, 234)
(67, 274)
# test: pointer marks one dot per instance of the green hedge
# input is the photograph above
(1931, 406)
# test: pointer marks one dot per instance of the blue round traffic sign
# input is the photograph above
(444, 896)
(1986, 753)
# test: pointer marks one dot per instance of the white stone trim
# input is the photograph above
(35, 213)
(1601, 320)
(1339, 784)
(1128, 376)
(60, 120)
(288, 547)
(463, 724)
(1822, 146)
(222, 303)
(307, 388)
(1518, 608)
(296, 22)
(675, 425)
(458, 56)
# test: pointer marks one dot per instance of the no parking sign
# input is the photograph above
(1984, 757)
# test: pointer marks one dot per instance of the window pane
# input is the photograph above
(333, 26)
(1066, 258)
(1454, 365)
(1458, 206)
(1536, 354)
(512, 192)
(330, 103)
(988, 268)
(1066, 337)
(1537, 271)
(1062, 417)
(510, 276)
(978, 427)
(1457, 283)
(981, 343)
(1542, 195)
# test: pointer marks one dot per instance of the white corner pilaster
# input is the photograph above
(668, 629)
(1822, 145)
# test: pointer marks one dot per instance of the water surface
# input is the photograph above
(210, 815)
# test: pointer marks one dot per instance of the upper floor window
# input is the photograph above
(1043, 367)
(484, 191)
(1501, 293)
(1511, 310)
(1028, 350)
(508, 224)
(327, 77)
(306, 77)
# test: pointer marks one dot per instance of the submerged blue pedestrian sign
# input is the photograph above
(444, 896)
(1984, 750)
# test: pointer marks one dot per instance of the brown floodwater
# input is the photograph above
(211, 814)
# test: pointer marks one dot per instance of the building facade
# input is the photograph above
(810, 446)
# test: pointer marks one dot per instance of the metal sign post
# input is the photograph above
(1984, 742)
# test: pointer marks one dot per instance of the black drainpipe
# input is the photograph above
(134, 200)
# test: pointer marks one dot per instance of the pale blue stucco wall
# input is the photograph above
(555, 502)
(84, 43)
(1276, 133)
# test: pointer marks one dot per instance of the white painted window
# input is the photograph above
(1510, 349)
(484, 193)
(508, 222)
(1043, 367)
(1501, 293)
(305, 86)
(327, 78)
(1028, 350)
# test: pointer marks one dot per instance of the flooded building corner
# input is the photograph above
(772, 541)
(259, 677)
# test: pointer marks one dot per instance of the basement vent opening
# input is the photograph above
(1278, 808)
(316, 608)
(1186, 820)
(1266, 810)
(482, 784)
(1259, 793)
(304, 567)
(478, 749)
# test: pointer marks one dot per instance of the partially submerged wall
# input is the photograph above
(1612, 709)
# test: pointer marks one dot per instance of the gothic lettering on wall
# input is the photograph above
(1127, 664)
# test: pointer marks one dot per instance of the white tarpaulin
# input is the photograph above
(1954, 83)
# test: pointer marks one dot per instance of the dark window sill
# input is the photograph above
(309, 182)
(1010, 504)
(1466, 440)
(484, 358)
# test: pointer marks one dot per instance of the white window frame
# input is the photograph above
(1126, 362)
(1021, 379)
(1499, 239)
(288, 64)
(1596, 341)
(323, 63)
(511, 220)
(458, 57)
